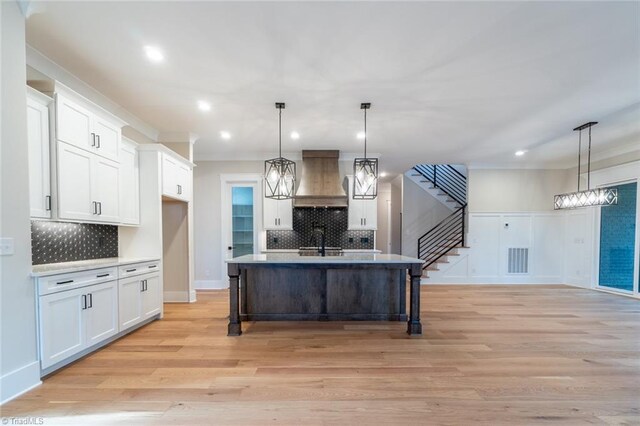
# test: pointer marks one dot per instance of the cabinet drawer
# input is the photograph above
(138, 269)
(63, 282)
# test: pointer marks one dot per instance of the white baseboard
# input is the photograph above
(211, 284)
(177, 296)
(19, 381)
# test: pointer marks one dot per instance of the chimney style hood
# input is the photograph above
(320, 184)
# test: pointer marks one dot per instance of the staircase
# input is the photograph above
(447, 238)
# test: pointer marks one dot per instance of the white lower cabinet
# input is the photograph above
(73, 320)
(80, 311)
(140, 298)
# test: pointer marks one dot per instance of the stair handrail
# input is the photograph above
(445, 229)
(454, 187)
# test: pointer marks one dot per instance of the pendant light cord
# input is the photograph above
(579, 149)
(365, 133)
(589, 162)
(280, 132)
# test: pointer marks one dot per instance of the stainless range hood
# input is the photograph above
(320, 184)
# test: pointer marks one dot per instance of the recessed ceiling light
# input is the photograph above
(521, 152)
(360, 135)
(295, 135)
(383, 174)
(154, 54)
(204, 106)
(225, 135)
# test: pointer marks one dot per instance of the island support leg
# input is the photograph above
(235, 326)
(413, 325)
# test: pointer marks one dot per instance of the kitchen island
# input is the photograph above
(290, 287)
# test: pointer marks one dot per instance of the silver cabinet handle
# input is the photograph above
(94, 205)
(98, 141)
(93, 139)
(100, 208)
(47, 202)
(84, 302)
(90, 301)
(64, 282)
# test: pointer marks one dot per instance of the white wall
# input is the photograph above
(206, 213)
(420, 212)
(504, 190)
(19, 367)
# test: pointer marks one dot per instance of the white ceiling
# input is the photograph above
(463, 82)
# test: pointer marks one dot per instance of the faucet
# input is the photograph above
(322, 231)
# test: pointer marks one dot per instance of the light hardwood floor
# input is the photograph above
(490, 355)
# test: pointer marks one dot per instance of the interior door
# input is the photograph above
(242, 221)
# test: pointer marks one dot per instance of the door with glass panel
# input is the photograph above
(618, 257)
(242, 220)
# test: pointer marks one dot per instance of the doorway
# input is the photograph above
(617, 257)
(241, 216)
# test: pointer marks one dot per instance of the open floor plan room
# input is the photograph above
(313, 213)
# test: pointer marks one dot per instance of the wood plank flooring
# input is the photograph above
(491, 355)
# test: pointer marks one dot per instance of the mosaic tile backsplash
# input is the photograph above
(53, 242)
(335, 219)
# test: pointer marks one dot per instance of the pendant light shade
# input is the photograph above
(279, 173)
(365, 170)
(589, 197)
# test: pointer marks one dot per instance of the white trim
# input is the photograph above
(19, 381)
(211, 284)
(226, 181)
(178, 296)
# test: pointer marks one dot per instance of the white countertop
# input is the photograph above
(83, 265)
(361, 258)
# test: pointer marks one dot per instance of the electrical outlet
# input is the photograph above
(350, 239)
(6, 247)
(275, 240)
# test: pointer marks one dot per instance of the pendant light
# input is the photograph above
(279, 173)
(589, 197)
(365, 170)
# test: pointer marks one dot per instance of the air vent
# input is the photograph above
(518, 260)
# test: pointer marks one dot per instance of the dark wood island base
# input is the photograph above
(287, 287)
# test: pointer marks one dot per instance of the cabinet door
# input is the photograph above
(106, 189)
(285, 214)
(269, 213)
(129, 185)
(74, 123)
(129, 302)
(370, 213)
(101, 315)
(74, 183)
(61, 326)
(183, 180)
(38, 142)
(152, 296)
(107, 138)
(169, 176)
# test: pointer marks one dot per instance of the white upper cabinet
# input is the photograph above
(176, 178)
(39, 154)
(88, 186)
(363, 214)
(78, 124)
(277, 214)
(129, 183)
